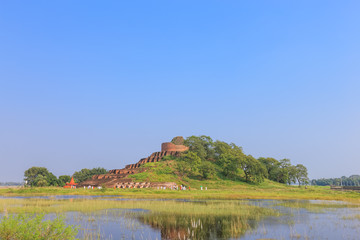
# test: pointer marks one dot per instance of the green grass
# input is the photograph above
(318, 206)
(217, 207)
(157, 172)
(189, 219)
(216, 190)
(353, 217)
(31, 227)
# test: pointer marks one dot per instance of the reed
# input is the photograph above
(29, 227)
(221, 190)
(219, 207)
(319, 206)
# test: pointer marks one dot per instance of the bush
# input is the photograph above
(34, 227)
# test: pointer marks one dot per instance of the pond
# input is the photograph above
(110, 217)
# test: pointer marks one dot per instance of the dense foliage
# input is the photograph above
(41, 177)
(85, 174)
(206, 158)
(353, 180)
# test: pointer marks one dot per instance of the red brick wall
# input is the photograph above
(168, 146)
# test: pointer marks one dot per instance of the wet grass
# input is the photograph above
(353, 217)
(216, 190)
(218, 208)
(319, 206)
(195, 220)
(29, 227)
(173, 218)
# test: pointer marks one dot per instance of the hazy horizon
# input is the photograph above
(103, 84)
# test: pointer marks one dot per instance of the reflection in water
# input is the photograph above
(112, 218)
(197, 227)
(299, 220)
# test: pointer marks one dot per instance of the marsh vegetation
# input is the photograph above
(114, 217)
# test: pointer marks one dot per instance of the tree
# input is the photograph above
(193, 161)
(82, 175)
(35, 174)
(230, 164)
(63, 179)
(182, 167)
(301, 174)
(98, 170)
(206, 170)
(41, 181)
(229, 157)
(282, 172)
(52, 180)
(85, 174)
(254, 171)
(221, 148)
(272, 165)
(202, 146)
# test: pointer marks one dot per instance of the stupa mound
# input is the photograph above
(118, 177)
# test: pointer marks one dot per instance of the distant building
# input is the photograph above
(71, 184)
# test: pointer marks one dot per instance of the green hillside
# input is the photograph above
(218, 162)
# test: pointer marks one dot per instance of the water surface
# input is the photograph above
(292, 219)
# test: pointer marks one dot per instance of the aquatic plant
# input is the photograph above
(318, 206)
(31, 227)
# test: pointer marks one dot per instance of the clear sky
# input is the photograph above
(103, 83)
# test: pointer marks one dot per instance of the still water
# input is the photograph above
(297, 220)
(289, 219)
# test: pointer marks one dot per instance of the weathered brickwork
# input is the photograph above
(117, 177)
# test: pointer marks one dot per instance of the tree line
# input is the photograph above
(41, 176)
(353, 180)
(207, 158)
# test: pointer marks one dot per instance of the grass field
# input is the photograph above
(216, 190)
(195, 218)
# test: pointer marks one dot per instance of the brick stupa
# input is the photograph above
(117, 178)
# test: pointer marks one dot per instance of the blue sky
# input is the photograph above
(87, 83)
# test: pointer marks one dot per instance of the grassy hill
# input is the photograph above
(165, 171)
(218, 188)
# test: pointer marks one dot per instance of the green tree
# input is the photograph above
(85, 174)
(63, 179)
(82, 175)
(254, 171)
(229, 157)
(301, 174)
(283, 172)
(52, 180)
(35, 174)
(230, 164)
(193, 161)
(202, 146)
(182, 167)
(221, 147)
(272, 166)
(206, 169)
(41, 181)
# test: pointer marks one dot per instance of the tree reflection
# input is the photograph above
(177, 226)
